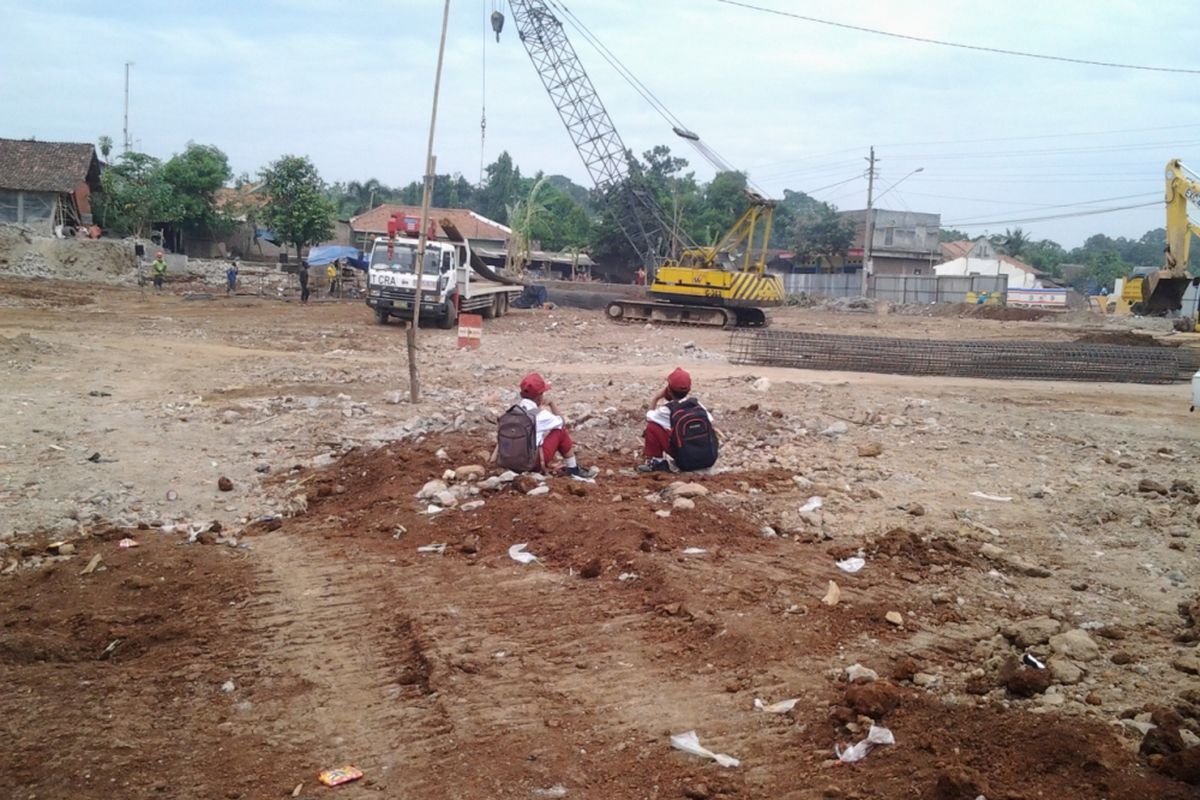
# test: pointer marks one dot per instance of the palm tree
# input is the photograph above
(105, 146)
(1014, 242)
(521, 217)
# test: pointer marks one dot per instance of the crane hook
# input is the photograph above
(497, 23)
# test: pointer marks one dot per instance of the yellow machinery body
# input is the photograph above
(1161, 291)
(727, 284)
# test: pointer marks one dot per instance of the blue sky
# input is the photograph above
(794, 103)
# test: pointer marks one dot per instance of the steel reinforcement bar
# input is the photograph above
(1057, 361)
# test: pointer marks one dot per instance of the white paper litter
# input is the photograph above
(436, 547)
(694, 551)
(432, 509)
(689, 742)
(852, 564)
(628, 576)
(557, 790)
(782, 707)
(812, 505)
(995, 498)
(858, 752)
(517, 553)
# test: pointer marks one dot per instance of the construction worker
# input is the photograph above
(160, 270)
(332, 272)
(231, 276)
(303, 276)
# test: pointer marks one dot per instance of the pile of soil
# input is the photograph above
(1124, 338)
(113, 680)
(1003, 313)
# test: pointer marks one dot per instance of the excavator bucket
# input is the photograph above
(1162, 292)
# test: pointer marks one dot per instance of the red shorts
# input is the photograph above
(556, 441)
(657, 441)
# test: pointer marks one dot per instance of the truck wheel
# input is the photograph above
(450, 318)
(504, 298)
(381, 316)
(492, 309)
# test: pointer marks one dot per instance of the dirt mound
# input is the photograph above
(95, 665)
(1003, 313)
(373, 495)
(26, 255)
(1125, 338)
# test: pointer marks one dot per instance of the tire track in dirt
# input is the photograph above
(325, 622)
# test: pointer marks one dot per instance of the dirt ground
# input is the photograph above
(301, 619)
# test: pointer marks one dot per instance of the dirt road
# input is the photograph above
(306, 629)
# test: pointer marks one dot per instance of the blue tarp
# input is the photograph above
(326, 253)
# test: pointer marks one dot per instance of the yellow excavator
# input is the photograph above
(1161, 291)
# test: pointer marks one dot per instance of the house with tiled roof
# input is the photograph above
(47, 185)
(980, 257)
(478, 229)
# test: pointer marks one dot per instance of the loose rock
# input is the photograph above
(224, 484)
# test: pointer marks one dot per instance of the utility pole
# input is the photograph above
(869, 228)
(126, 143)
(414, 378)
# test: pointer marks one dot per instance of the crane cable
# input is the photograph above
(483, 93)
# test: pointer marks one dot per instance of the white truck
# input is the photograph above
(451, 284)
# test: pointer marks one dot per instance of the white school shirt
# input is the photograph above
(546, 421)
(660, 415)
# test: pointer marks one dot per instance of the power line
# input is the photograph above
(1047, 218)
(1036, 206)
(996, 50)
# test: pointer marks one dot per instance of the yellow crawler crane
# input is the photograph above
(725, 285)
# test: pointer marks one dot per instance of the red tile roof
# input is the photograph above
(470, 224)
(60, 167)
(953, 250)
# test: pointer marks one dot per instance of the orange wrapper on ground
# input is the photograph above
(336, 777)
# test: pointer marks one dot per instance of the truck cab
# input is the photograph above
(392, 280)
(449, 283)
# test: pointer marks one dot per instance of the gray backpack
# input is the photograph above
(516, 439)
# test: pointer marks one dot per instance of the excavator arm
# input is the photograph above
(1162, 291)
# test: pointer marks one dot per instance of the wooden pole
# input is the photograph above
(414, 378)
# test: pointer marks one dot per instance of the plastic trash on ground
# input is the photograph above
(875, 736)
(435, 547)
(694, 551)
(127, 543)
(782, 707)
(812, 505)
(557, 790)
(852, 564)
(336, 777)
(995, 498)
(689, 742)
(517, 553)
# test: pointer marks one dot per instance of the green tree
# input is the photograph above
(105, 143)
(196, 175)
(821, 233)
(135, 194)
(298, 210)
(503, 188)
(1046, 255)
(953, 235)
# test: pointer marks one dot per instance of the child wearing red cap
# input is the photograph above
(552, 435)
(657, 436)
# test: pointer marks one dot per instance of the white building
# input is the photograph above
(981, 258)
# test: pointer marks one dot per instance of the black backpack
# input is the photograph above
(516, 439)
(693, 440)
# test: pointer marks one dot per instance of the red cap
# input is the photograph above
(533, 386)
(679, 381)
